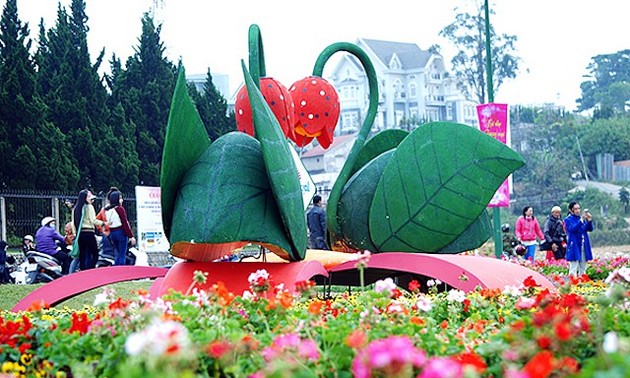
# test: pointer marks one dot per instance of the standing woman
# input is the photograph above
(526, 230)
(119, 230)
(83, 221)
(578, 245)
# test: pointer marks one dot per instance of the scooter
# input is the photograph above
(37, 268)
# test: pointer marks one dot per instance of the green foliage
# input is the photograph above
(468, 33)
(608, 87)
(212, 108)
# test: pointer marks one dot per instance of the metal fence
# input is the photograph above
(21, 211)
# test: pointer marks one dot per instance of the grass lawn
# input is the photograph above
(10, 295)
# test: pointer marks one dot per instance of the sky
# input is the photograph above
(556, 38)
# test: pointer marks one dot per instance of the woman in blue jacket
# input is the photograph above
(578, 244)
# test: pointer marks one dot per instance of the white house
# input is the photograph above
(414, 87)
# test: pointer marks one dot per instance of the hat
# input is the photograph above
(28, 237)
(47, 220)
(556, 208)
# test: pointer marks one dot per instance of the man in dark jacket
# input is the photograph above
(316, 219)
(46, 240)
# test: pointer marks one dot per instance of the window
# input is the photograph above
(449, 112)
(413, 91)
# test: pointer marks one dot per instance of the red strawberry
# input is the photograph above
(278, 99)
(316, 110)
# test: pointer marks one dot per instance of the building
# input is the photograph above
(324, 165)
(220, 81)
(414, 87)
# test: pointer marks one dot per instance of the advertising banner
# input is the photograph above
(494, 121)
(151, 236)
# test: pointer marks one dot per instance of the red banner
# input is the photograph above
(493, 120)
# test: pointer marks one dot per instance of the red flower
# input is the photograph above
(218, 349)
(530, 282)
(444, 324)
(24, 347)
(472, 359)
(466, 304)
(413, 286)
(80, 323)
(544, 342)
(563, 331)
(540, 366)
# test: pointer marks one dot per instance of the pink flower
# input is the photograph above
(391, 356)
(442, 367)
(289, 344)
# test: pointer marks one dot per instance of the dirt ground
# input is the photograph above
(610, 249)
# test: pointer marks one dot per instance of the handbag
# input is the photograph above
(75, 244)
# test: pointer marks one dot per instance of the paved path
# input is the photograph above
(605, 187)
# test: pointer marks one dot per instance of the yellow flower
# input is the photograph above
(48, 318)
(7, 367)
(26, 359)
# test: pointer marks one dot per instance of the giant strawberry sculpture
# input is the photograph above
(424, 191)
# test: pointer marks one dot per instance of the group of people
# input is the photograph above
(561, 238)
(81, 252)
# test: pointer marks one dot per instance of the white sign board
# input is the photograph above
(151, 236)
(306, 182)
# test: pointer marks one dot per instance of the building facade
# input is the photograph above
(414, 88)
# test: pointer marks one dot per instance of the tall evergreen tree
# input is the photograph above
(212, 108)
(144, 89)
(34, 152)
(73, 91)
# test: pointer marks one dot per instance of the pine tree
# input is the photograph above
(34, 152)
(74, 94)
(144, 89)
(212, 108)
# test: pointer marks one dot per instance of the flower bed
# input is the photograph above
(383, 330)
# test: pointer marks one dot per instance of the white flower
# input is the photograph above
(100, 299)
(625, 273)
(456, 296)
(260, 273)
(511, 290)
(611, 342)
(158, 339)
(387, 285)
(424, 303)
(247, 295)
(430, 283)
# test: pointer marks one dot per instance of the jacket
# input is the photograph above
(527, 229)
(577, 234)
(316, 219)
(45, 239)
(554, 231)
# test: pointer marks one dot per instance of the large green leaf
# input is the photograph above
(354, 204)
(379, 143)
(473, 237)
(226, 197)
(439, 180)
(281, 169)
(185, 140)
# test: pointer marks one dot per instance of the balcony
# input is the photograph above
(434, 100)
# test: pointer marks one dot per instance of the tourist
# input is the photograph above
(28, 244)
(120, 230)
(49, 241)
(84, 222)
(107, 248)
(578, 225)
(5, 277)
(316, 219)
(555, 235)
(527, 230)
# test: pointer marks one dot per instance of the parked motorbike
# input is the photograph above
(37, 268)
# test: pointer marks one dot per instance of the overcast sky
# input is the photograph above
(557, 38)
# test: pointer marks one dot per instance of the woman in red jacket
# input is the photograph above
(527, 230)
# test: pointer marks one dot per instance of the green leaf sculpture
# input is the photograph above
(439, 180)
(473, 237)
(383, 141)
(226, 197)
(185, 140)
(281, 169)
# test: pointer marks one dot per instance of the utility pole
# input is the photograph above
(582, 158)
(496, 211)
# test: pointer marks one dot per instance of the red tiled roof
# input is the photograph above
(337, 141)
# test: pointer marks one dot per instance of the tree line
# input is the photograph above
(64, 126)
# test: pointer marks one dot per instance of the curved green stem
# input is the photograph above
(344, 175)
(256, 55)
